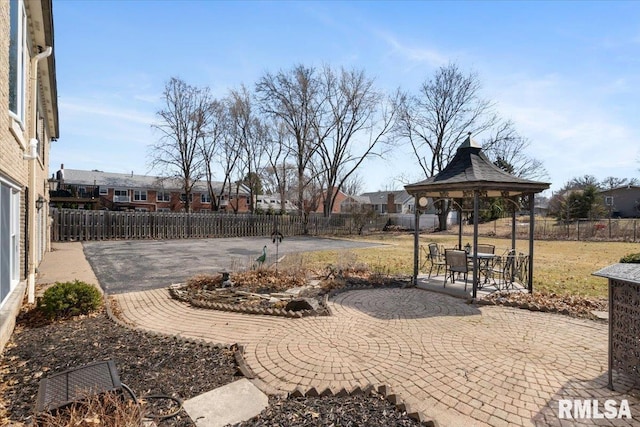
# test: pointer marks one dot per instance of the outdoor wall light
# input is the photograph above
(39, 202)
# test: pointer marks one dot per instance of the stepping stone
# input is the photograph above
(229, 404)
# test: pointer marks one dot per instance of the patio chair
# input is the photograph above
(522, 268)
(504, 269)
(435, 258)
(456, 263)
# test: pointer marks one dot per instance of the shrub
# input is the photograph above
(70, 299)
(631, 258)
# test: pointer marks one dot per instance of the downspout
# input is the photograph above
(32, 156)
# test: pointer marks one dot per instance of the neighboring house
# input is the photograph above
(352, 203)
(340, 197)
(622, 202)
(271, 202)
(384, 202)
(28, 96)
(82, 189)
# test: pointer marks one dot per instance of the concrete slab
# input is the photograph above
(138, 265)
(65, 262)
(229, 404)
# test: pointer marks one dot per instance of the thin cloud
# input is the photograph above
(431, 57)
(108, 111)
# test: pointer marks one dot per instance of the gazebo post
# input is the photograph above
(416, 240)
(475, 243)
(532, 219)
(513, 225)
(460, 225)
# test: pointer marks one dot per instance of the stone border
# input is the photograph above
(369, 389)
(326, 311)
(537, 307)
(247, 309)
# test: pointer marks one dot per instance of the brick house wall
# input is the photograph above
(25, 180)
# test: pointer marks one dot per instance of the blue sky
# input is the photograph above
(567, 73)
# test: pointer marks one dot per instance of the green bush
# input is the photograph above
(70, 299)
(631, 258)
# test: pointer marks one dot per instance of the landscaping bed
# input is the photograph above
(571, 305)
(154, 364)
(276, 293)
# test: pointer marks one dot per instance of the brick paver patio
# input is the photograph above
(458, 363)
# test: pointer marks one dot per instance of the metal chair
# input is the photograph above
(435, 258)
(456, 263)
(504, 268)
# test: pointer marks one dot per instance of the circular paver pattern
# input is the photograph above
(462, 364)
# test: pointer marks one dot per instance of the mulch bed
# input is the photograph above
(152, 364)
(147, 363)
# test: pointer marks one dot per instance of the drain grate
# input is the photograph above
(75, 384)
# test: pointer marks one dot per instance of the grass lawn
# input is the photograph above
(562, 267)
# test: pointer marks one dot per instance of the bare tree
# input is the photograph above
(507, 146)
(211, 144)
(249, 134)
(294, 97)
(278, 170)
(184, 121)
(352, 185)
(357, 121)
(611, 182)
(445, 110)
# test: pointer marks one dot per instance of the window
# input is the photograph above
(141, 210)
(164, 210)
(121, 196)
(163, 196)
(183, 197)
(205, 198)
(18, 60)
(140, 195)
(103, 191)
(9, 239)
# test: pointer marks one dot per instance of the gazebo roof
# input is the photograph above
(470, 170)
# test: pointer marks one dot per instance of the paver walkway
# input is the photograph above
(458, 363)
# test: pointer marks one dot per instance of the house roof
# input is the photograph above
(125, 180)
(471, 170)
(363, 200)
(380, 197)
(621, 188)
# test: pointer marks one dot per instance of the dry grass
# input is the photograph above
(561, 267)
(107, 409)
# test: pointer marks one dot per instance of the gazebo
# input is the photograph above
(470, 176)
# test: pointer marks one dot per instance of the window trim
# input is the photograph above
(22, 60)
(166, 195)
(138, 195)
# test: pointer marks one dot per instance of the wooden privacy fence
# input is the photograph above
(80, 225)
